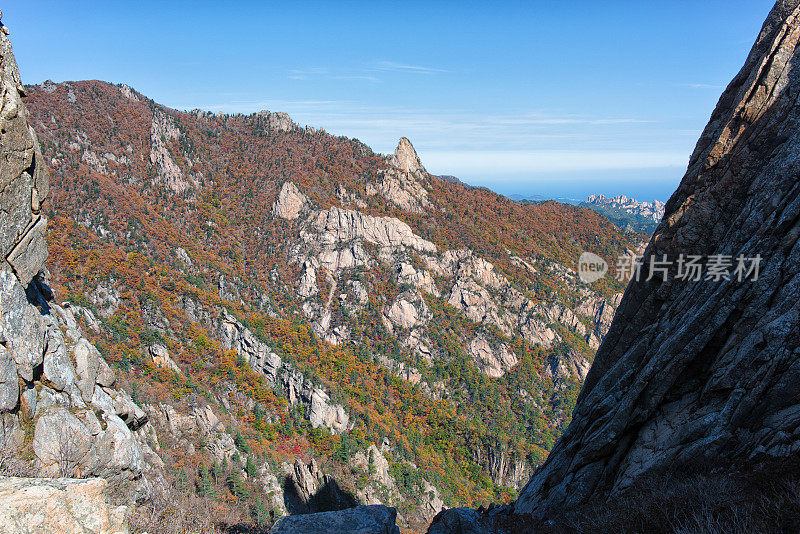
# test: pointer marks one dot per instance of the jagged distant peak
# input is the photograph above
(278, 120)
(650, 210)
(405, 157)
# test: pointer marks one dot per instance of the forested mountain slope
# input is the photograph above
(421, 340)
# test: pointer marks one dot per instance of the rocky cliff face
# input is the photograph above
(24, 182)
(61, 414)
(52, 377)
(704, 372)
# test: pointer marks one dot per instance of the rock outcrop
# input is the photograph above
(290, 202)
(339, 225)
(336, 241)
(162, 132)
(494, 361)
(53, 381)
(506, 467)
(308, 490)
(403, 182)
(68, 506)
(233, 335)
(276, 121)
(373, 519)
(704, 372)
(382, 487)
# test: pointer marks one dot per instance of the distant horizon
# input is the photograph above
(528, 98)
(566, 187)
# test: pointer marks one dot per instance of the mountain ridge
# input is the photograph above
(328, 298)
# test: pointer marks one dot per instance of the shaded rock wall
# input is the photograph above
(704, 371)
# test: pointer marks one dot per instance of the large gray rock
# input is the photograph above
(9, 384)
(30, 253)
(67, 506)
(494, 361)
(277, 121)
(461, 521)
(58, 370)
(704, 372)
(24, 181)
(21, 325)
(62, 444)
(375, 519)
(87, 365)
(118, 450)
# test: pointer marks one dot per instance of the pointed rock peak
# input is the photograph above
(405, 157)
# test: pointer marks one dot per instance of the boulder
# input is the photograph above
(403, 312)
(87, 363)
(62, 444)
(374, 519)
(58, 369)
(21, 325)
(30, 253)
(118, 450)
(9, 384)
(67, 506)
(461, 521)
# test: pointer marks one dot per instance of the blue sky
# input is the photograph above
(551, 98)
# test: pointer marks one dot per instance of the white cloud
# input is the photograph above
(704, 86)
(466, 143)
(537, 161)
(402, 67)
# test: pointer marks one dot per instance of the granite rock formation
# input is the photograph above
(374, 519)
(32, 505)
(61, 414)
(704, 371)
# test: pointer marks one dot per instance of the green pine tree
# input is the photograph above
(206, 487)
(250, 467)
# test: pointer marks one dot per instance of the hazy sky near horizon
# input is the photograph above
(536, 97)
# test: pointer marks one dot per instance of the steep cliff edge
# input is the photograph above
(704, 372)
(61, 414)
